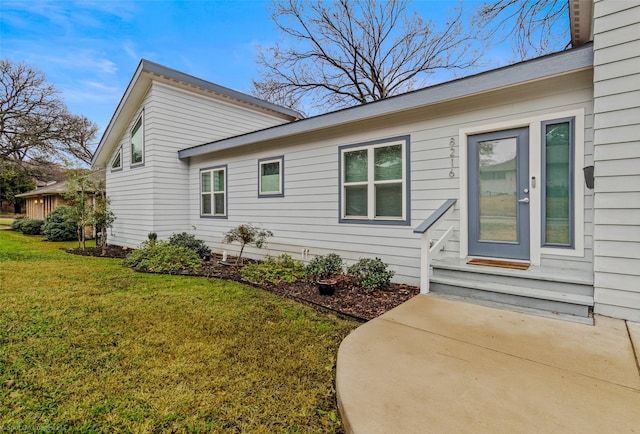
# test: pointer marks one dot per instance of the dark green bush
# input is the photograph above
(323, 267)
(57, 228)
(190, 242)
(31, 226)
(275, 270)
(370, 274)
(17, 224)
(162, 257)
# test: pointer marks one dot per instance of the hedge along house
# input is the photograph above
(493, 168)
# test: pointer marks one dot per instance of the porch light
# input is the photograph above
(588, 176)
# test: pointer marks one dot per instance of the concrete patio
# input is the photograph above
(434, 365)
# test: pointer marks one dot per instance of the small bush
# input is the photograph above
(323, 267)
(246, 234)
(190, 242)
(31, 226)
(17, 224)
(371, 274)
(162, 257)
(57, 228)
(275, 270)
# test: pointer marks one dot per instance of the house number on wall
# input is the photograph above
(452, 154)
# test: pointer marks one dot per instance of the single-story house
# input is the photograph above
(532, 169)
(43, 200)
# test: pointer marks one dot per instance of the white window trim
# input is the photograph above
(261, 162)
(371, 218)
(211, 170)
(115, 156)
(534, 123)
(141, 120)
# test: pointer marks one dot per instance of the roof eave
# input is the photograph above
(532, 70)
(580, 21)
(140, 83)
(100, 157)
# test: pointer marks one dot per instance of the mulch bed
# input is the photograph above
(348, 299)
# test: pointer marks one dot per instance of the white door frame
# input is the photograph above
(534, 123)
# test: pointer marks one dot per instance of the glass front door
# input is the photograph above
(499, 194)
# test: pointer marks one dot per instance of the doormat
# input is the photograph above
(501, 264)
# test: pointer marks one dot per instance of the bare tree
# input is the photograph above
(34, 122)
(30, 112)
(78, 138)
(534, 27)
(350, 52)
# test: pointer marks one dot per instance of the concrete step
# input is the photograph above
(567, 292)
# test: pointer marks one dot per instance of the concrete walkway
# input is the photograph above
(434, 365)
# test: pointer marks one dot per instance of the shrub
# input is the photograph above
(371, 274)
(190, 242)
(31, 226)
(58, 228)
(162, 257)
(247, 234)
(323, 267)
(17, 224)
(275, 270)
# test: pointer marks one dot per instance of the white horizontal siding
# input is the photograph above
(130, 191)
(617, 159)
(152, 198)
(307, 216)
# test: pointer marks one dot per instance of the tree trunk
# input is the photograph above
(103, 241)
(239, 258)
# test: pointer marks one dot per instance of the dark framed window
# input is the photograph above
(271, 177)
(137, 143)
(374, 185)
(116, 163)
(558, 169)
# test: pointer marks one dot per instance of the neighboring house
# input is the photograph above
(41, 201)
(500, 155)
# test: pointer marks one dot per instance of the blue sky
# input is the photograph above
(90, 49)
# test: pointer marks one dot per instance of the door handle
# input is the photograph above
(525, 200)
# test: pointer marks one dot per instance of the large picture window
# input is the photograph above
(137, 143)
(374, 185)
(213, 192)
(271, 177)
(558, 191)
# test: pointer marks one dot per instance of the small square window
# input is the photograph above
(271, 177)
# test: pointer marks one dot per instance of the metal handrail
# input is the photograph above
(433, 218)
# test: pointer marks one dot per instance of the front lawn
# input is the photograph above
(88, 345)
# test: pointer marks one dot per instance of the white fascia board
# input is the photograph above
(173, 74)
(532, 70)
(103, 151)
(140, 83)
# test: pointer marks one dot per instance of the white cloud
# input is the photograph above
(130, 50)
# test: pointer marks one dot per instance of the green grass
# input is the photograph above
(89, 346)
